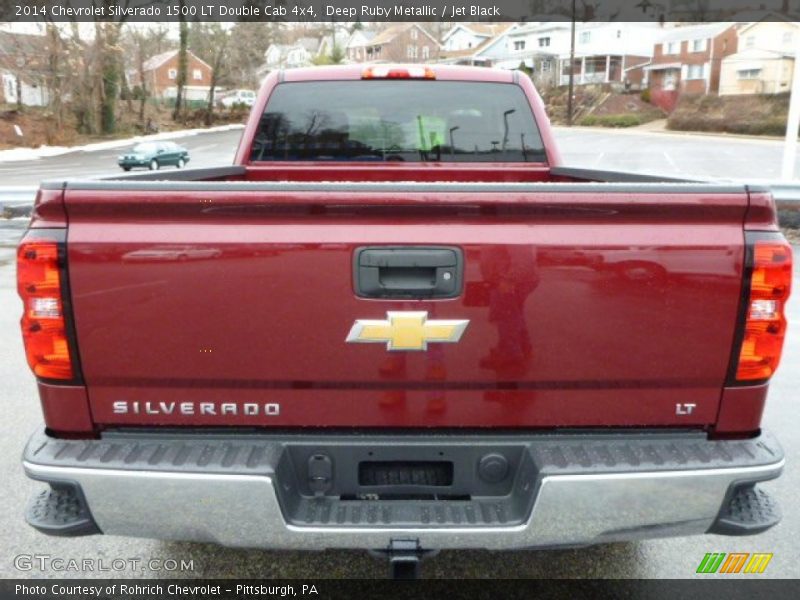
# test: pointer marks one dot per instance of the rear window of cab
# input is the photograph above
(414, 121)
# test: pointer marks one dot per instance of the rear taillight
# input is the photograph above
(763, 322)
(41, 276)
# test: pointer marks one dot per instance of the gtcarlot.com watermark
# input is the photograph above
(48, 563)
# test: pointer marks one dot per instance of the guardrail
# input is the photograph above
(17, 201)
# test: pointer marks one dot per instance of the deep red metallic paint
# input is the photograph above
(761, 213)
(740, 409)
(66, 408)
(584, 309)
(48, 210)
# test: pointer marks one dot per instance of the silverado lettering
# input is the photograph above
(122, 407)
(414, 309)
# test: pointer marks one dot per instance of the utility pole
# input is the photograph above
(793, 122)
(571, 86)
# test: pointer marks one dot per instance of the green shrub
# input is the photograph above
(645, 95)
(611, 120)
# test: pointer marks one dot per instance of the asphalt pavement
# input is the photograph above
(667, 558)
(205, 150)
(675, 154)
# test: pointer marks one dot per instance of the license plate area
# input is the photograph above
(406, 484)
(404, 473)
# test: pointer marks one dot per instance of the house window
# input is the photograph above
(673, 48)
(197, 74)
(414, 33)
(619, 33)
(694, 72)
(787, 37)
(426, 52)
(546, 66)
(519, 45)
(749, 73)
(750, 41)
(173, 73)
(411, 52)
(699, 45)
(544, 42)
(586, 37)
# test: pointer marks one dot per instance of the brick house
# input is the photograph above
(161, 76)
(400, 42)
(688, 60)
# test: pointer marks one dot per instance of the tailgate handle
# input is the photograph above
(408, 272)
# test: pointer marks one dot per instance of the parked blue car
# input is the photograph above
(154, 155)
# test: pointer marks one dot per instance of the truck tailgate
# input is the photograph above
(588, 305)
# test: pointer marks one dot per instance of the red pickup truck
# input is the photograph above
(398, 323)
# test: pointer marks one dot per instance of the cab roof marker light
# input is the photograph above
(387, 72)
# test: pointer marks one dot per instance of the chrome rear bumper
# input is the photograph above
(236, 491)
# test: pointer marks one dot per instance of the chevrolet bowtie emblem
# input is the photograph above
(407, 330)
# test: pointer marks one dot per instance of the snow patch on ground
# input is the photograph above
(17, 154)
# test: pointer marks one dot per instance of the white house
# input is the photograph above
(465, 43)
(288, 56)
(33, 92)
(23, 68)
(357, 44)
(520, 44)
(764, 62)
(607, 52)
(465, 36)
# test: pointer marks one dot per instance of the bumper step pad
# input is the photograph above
(749, 510)
(62, 511)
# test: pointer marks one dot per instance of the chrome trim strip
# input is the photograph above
(243, 510)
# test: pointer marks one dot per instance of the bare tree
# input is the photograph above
(248, 43)
(109, 59)
(210, 42)
(183, 64)
(58, 68)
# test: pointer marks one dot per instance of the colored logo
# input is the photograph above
(407, 330)
(735, 562)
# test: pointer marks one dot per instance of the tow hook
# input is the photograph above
(405, 556)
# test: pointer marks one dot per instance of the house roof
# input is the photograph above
(365, 35)
(751, 25)
(752, 17)
(662, 66)
(488, 28)
(159, 59)
(391, 32)
(23, 51)
(542, 27)
(309, 43)
(479, 29)
(154, 62)
(693, 32)
(755, 54)
(445, 54)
